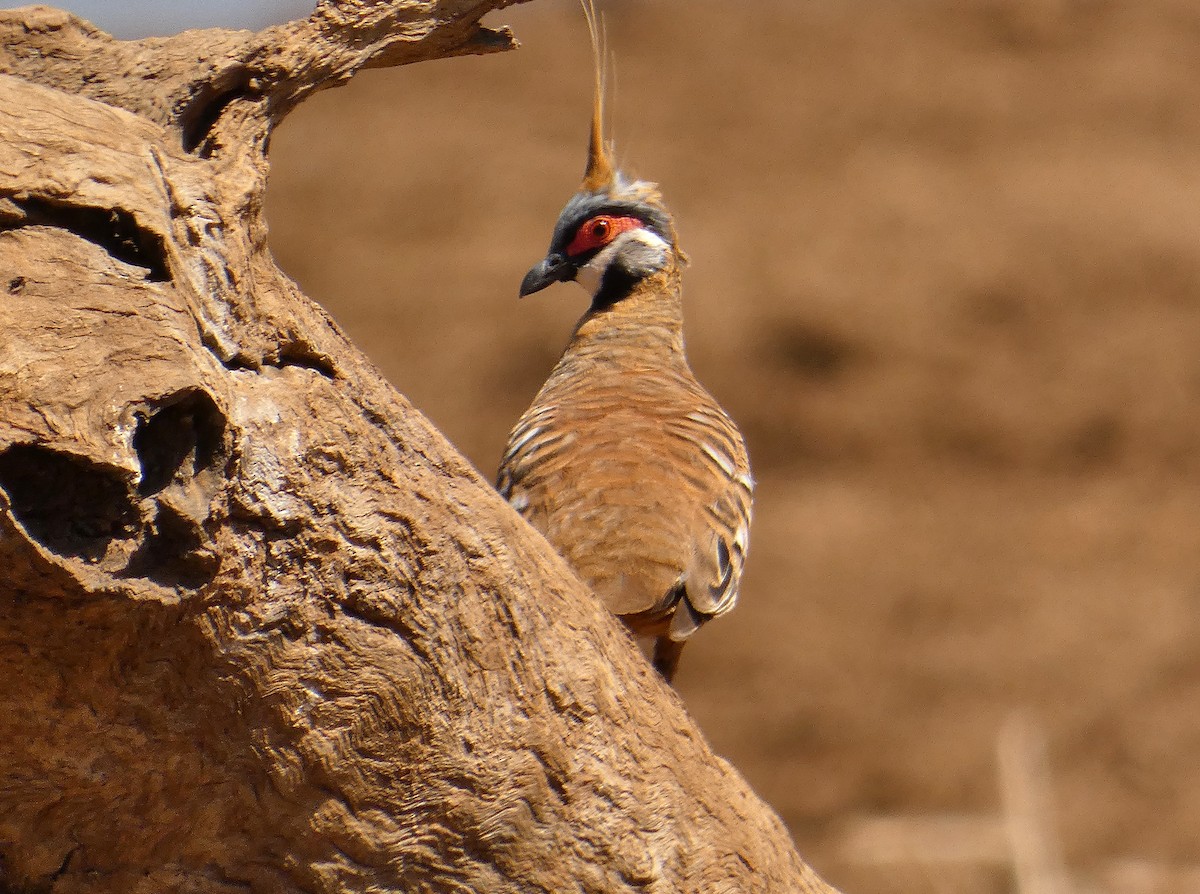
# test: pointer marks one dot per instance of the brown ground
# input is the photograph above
(946, 275)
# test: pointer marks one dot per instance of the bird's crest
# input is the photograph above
(601, 173)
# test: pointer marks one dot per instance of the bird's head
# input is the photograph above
(615, 231)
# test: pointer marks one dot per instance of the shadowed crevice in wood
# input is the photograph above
(305, 356)
(202, 112)
(173, 553)
(115, 230)
(180, 439)
(298, 354)
(175, 445)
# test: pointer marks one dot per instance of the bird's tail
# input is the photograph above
(666, 657)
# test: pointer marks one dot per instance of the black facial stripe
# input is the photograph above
(615, 284)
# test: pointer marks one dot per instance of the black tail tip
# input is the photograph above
(666, 657)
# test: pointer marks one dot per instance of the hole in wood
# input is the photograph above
(70, 505)
(181, 439)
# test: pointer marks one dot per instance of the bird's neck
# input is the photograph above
(649, 316)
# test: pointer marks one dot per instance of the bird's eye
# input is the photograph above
(598, 232)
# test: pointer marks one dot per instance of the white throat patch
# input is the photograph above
(640, 250)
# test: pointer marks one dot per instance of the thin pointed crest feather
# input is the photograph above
(601, 172)
(601, 175)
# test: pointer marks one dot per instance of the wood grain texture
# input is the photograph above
(261, 627)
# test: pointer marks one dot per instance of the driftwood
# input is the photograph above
(261, 627)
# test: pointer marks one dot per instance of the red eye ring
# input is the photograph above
(598, 231)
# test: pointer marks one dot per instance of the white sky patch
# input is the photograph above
(130, 19)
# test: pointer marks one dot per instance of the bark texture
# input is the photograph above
(261, 627)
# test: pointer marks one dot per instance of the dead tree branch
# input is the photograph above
(261, 627)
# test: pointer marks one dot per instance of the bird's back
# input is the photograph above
(636, 475)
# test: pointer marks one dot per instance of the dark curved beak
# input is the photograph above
(555, 268)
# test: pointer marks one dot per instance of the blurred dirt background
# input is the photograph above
(946, 271)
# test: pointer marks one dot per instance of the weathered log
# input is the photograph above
(261, 627)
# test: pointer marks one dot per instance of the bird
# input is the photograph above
(623, 461)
